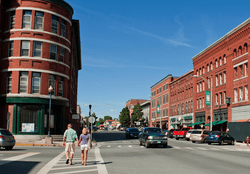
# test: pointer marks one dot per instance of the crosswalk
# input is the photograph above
(181, 148)
(17, 157)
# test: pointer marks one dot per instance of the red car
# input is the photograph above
(181, 133)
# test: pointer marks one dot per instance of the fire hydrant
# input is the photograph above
(247, 140)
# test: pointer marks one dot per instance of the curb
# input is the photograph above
(34, 144)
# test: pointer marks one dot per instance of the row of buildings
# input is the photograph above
(222, 70)
(39, 47)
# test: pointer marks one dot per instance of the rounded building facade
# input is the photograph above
(37, 53)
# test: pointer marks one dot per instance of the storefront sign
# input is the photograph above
(28, 127)
(208, 98)
(75, 116)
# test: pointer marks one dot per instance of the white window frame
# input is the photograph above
(246, 69)
(203, 102)
(241, 93)
(9, 82)
(54, 29)
(220, 61)
(217, 80)
(198, 87)
(12, 19)
(36, 20)
(23, 83)
(216, 99)
(225, 97)
(27, 22)
(225, 77)
(11, 48)
(246, 93)
(225, 59)
(22, 47)
(37, 50)
(221, 98)
(235, 95)
(60, 90)
(63, 32)
(51, 52)
(33, 91)
(221, 79)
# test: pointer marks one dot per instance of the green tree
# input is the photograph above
(87, 121)
(107, 118)
(101, 121)
(137, 113)
(124, 117)
(94, 115)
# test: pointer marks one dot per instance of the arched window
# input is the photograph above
(235, 53)
(203, 70)
(225, 59)
(240, 51)
(245, 48)
(197, 72)
(220, 60)
(207, 67)
(211, 64)
(216, 63)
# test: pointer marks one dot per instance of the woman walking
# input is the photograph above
(84, 140)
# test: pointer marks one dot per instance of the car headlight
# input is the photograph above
(164, 138)
(150, 137)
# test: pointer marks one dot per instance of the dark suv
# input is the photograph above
(132, 133)
(153, 136)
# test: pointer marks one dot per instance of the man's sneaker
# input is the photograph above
(67, 161)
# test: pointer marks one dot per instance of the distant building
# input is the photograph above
(40, 47)
(146, 112)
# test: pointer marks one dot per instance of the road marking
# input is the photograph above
(142, 146)
(119, 146)
(175, 147)
(109, 146)
(50, 164)
(79, 171)
(201, 148)
(101, 166)
(68, 167)
(214, 149)
(189, 148)
(19, 157)
(129, 146)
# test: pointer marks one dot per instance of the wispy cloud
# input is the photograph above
(169, 41)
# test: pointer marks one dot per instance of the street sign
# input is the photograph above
(208, 98)
(158, 108)
(75, 116)
(91, 119)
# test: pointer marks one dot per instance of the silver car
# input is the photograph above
(7, 140)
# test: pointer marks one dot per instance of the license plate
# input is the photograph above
(158, 142)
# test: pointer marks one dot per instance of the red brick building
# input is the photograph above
(40, 48)
(131, 103)
(160, 95)
(224, 66)
(181, 101)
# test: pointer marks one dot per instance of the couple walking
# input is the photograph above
(70, 136)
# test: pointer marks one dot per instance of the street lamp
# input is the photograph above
(50, 91)
(211, 104)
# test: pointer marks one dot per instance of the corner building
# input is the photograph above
(223, 70)
(40, 48)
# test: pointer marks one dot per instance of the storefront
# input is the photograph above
(199, 120)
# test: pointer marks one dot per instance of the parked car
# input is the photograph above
(199, 135)
(166, 132)
(106, 128)
(153, 136)
(219, 137)
(101, 127)
(132, 133)
(188, 134)
(7, 140)
(171, 133)
(181, 133)
(122, 128)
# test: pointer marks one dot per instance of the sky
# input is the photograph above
(127, 46)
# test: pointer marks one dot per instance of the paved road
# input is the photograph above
(126, 156)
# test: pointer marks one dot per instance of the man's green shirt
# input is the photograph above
(70, 135)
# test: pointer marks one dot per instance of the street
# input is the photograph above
(114, 154)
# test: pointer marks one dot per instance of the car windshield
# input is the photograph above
(5, 132)
(185, 129)
(196, 132)
(133, 130)
(189, 131)
(154, 130)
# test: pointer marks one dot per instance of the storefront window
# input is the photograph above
(28, 118)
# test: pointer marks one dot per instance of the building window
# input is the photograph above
(197, 103)
(235, 95)
(203, 102)
(225, 97)
(166, 98)
(166, 111)
(163, 112)
(52, 82)
(241, 71)
(23, 84)
(211, 66)
(225, 59)
(200, 103)
(246, 69)
(36, 82)
(216, 99)
(11, 46)
(39, 20)
(191, 106)
(220, 61)
(225, 77)
(235, 72)
(167, 86)
(37, 49)
(27, 16)
(62, 54)
(60, 93)
(53, 52)
(207, 67)
(25, 48)
(163, 99)
(63, 28)
(209, 83)
(217, 80)
(216, 63)
(241, 93)
(9, 82)
(197, 87)
(54, 24)
(163, 87)
(220, 78)
(221, 98)
(12, 19)
(246, 92)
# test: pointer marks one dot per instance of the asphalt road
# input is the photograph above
(126, 156)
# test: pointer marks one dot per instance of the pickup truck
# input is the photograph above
(181, 133)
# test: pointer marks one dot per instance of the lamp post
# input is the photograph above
(211, 104)
(50, 91)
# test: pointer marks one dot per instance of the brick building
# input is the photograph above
(160, 96)
(224, 66)
(181, 101)
(40, 48)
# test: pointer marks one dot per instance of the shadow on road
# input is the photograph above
(109, 136)
(20, 167)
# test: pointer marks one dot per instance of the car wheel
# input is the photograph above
(188, 139)
(193, 141)
(222, 142)
(205, 140)
(9, 147)
(165, 145)
(209, 143)
(232, 142)
(147, 144)
(177, 138)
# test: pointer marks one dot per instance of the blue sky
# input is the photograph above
(129, 45)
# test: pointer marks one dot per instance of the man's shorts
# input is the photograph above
(70, 147)
(84, 147)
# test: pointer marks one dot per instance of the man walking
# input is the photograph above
(71, 136)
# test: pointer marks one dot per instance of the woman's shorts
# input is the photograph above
(84, 147)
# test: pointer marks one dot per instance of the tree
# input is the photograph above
(137, 113)
(107, 118)
(87, 121)
(94, 115)
(101, 121)
(124, 117)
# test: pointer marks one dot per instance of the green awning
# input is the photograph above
(188, 117)
(196, 123)
(213, 123)
(172, 119)
(173, 125)
(221, 122)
